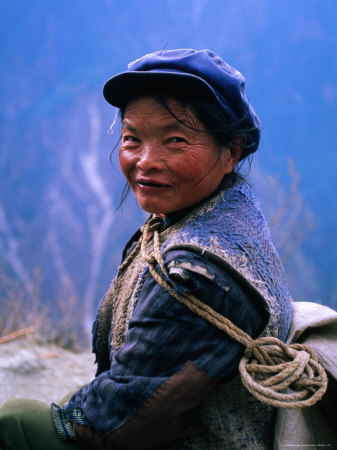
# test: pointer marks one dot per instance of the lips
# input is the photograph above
(151, 183)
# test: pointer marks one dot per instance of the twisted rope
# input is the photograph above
(121, 306)
(281, 375)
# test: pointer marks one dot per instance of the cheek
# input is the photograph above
(188, 173)
(125, 162)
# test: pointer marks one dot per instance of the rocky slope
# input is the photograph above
(44, 372)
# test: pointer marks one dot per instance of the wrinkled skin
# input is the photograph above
(169, 166)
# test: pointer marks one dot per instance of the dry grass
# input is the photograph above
(20, 311)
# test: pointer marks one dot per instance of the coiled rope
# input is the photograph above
(281, 375)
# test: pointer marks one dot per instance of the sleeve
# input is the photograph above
(171, 360)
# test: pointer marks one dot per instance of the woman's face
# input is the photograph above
(169, 166)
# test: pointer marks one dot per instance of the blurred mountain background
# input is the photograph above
(60, 236)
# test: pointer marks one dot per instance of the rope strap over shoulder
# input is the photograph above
(281, 375)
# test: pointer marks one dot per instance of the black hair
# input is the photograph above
(216, 121)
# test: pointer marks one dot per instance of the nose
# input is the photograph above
(150, 158)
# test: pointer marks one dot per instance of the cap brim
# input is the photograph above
(120, 89)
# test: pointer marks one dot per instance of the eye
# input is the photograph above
(177, 139)
(130, 138)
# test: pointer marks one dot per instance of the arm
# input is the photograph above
(170, 362)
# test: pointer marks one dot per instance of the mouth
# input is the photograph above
(151, 184)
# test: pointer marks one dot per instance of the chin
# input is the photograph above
(155, 206)
(152, 209)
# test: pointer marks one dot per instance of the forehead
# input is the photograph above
(150, 109)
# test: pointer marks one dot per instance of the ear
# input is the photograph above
(235, 150)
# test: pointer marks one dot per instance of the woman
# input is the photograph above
(166, 377)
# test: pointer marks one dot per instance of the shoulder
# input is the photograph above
(195, 273)
(183, 264)
(231, 219)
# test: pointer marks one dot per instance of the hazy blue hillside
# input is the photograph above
(60, 238)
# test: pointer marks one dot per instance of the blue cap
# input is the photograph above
(198, 74)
